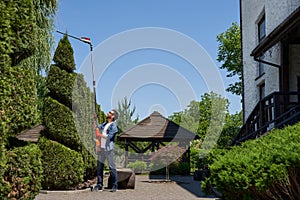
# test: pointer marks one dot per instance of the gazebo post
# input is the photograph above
(126, 153)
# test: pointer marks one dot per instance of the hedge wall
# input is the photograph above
(63, 167)
(3, 160)
(266, 168)
(24, 173)
(18, 99)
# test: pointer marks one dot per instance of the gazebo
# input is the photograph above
(157, 130)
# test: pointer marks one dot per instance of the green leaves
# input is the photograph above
(229, 53)
(257, 166)
(24, 173)
(64, 55)
(19, 102)
(63, 167)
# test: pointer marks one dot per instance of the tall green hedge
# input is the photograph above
(19, 99)
(24, 173)
(4, 186)
(266, 168)
(63, 167)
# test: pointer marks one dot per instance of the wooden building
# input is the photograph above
(157, 131)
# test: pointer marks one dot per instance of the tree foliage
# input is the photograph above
(25, 36)
(210, 120)
(126, 113)
(25, 49)
(229, 53)
(199, 117)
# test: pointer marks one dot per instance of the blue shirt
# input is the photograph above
(111, 132)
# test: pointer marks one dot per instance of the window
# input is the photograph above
(262, 28)
(262, 91)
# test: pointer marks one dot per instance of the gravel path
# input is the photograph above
(182, 187)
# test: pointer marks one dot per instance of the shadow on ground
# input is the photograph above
(186, 182)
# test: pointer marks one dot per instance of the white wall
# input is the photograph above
(275, 12)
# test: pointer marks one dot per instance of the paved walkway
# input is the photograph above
(182, 187)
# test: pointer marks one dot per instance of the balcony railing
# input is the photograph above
(274, 111)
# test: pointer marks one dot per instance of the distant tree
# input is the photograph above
(126, 113)
(229, 53)
(233, 123)
(211, 121)
(198, 117)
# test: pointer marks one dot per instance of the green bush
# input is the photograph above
(265, 168)
(24, 172)
(180, 168)
(60, 84)
(63, 167)
(137, 166)
(64, 55)
(59, 124)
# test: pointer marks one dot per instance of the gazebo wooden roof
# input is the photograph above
(157, 128)
(31, 135)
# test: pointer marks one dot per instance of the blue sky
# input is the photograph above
(153, 78)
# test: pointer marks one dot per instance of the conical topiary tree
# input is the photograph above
(66, 118)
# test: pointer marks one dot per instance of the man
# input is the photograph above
(108, 132)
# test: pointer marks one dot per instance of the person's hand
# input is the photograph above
(98, 133)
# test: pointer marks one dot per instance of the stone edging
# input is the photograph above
(64, 191)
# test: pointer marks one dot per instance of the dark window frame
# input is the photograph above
(261, 28)
(262, 90)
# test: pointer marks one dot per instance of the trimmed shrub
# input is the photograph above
(265, 168)
(59, 124)
(60, 85)
(24, 172)
(137, 166)
(64, 55)
(63, 167)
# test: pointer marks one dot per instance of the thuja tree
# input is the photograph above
(20, 49)
(24, 45)
(68, 119)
